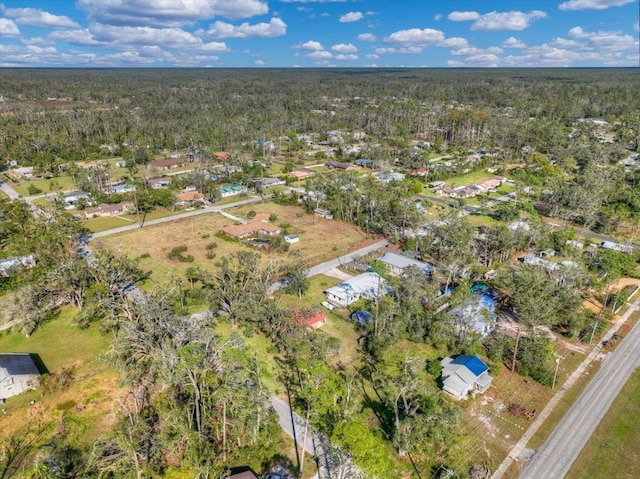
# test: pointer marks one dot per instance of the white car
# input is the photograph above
(328, 305)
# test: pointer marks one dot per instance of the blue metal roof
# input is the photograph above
(472, 363)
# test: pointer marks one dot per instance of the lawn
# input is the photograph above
(85, 406)
(109, 222)
(65, 182)
(469, 179)
(612, 450)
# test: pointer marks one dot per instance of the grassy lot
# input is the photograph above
(469, 179)
(84, 407)
(612, 450)
(106, 223)
(65, 182)
(314, 232)
(197, 232)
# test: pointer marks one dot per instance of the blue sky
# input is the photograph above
(319, 33)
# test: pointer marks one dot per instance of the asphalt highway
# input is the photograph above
(555, 457)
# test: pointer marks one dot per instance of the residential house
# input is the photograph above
(71, 197)
(159, 183)
(463, 375)
(397, 263)
(268, 182)
(393, 176)
(121, 164)
(621, 248)
(311, 319)
(18, 373)
(10, 265)
(105, 209)
(337, 165)
(258, 226)
(222, 155)
(229, 169)
(364, 162)
(326, 214)
(300, 174)
(188, 197)
(422, 171)
(365, 285)
(25, 172)
(165, 164)
(243, 475)
(231, 190)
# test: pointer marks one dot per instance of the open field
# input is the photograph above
(109, 222)
(320, 240)
(613, 449)
(469, 178)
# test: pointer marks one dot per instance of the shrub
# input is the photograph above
(205, 235)
(251, 214)
(212, 245)
(145, 255)
(211, 255)
(176, 254)
(273, 217)
(33, 190)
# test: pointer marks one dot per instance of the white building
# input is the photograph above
(397, 263)
(18, 373)
(365, 285)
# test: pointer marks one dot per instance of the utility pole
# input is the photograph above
(515, 351)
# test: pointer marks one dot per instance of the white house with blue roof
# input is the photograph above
(463, 375)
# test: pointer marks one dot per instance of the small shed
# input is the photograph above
(291, 238)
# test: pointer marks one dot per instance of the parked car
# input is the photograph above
(328, 305)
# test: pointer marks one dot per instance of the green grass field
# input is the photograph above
(613, 450)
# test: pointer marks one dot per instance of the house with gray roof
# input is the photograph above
(463, 375)
(365, 285)
(397, 263)
(18, 373)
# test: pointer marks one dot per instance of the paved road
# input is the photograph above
(555, 457)
(186, 214)
(10, 192)
(334, 263)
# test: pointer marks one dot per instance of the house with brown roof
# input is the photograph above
(105, 209)
(165, 164)
(189, 197)
(222, 155)
(258, 226)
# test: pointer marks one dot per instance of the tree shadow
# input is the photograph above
(280, 464)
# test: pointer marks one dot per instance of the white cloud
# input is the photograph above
(473, 51)
(415, 37)
(348, 56)
(275, 28)
(463, 16)
(259, 63)
(482, 60)
(373, 56)
(351, 17)
(437, 17)
(76, 37)
(171, 13)
(636, 27)
(8, 28)
(578, 32)
(344, 48)
(513, 42)
(320, 55)
(454, 42)
(496, 21)
(592, 4)
(34, 17)
(367, 37)
(214, 47)
(311, 45)
(564, 43)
